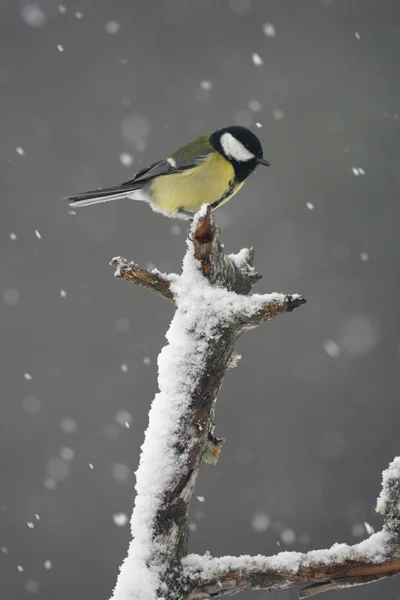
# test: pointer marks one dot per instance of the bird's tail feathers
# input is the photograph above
(104, 195)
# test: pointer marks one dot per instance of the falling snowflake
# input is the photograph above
(33, 15)
(257, 60)
(206, 85)
(359, 335)
(369, 528)
(57, 469)
(331, 348)
(38, 234)
(60, 48)
(120, 519)
(126, 159)
(20, 151)
(50, 483)
(310, 206)
(358, 171)
(32, 586)
(67, 453)
(175, 229)
(135, 129)
(123, 418)
(260, 522)
(278, 114)
(269, 30)
(112, 27)
(69, 425)
(121, 472)
(288, 536)
(254, 105)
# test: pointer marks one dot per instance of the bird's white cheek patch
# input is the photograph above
(235, 149)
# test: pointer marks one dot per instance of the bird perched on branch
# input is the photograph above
(211, 170)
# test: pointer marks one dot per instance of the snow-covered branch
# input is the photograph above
(151, 280)
(214, 306)
(339, 567)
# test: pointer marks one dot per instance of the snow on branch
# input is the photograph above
(339, 567)
(153, 281)
(214, 306)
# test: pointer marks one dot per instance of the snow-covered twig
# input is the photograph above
(151, 280)
(214, 307)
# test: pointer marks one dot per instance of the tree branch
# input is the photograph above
(212, 299)
(154, 281)
(284, 571)
(214, 306)
(339, 567)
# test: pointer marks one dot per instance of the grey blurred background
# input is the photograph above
(92, 90)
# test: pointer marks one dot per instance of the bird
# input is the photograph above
(211, 169)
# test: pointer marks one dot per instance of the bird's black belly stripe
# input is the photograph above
(232, 185)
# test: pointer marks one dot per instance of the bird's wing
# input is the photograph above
(159, 168)
(183, 159)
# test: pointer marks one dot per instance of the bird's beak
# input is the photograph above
(263, 161)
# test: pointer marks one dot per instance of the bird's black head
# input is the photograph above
(241, 147)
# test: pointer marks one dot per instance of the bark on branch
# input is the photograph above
(214, 306)
(151, 280)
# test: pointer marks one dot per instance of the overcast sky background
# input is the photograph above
(91, 91)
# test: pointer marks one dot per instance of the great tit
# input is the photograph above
(211, 170)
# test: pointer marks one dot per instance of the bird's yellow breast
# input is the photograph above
(188, 190)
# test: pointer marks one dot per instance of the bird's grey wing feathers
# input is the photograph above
(163, 167)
